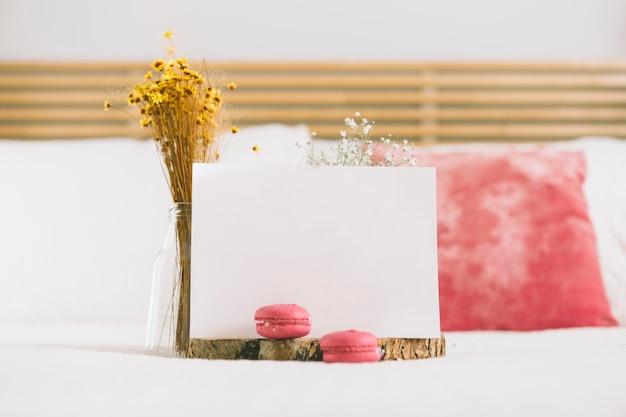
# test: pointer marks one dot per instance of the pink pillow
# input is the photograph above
(517, 250)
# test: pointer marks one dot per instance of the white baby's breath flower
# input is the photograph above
(351, 124)
(355, 148)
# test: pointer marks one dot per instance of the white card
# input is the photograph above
(355, 246)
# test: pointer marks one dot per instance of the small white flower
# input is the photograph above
(355, 148)
(350, 123)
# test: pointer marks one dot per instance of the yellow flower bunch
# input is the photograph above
(181, 103)
(184, 110)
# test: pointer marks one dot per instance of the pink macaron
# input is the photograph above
(282, 321)
(350, 346)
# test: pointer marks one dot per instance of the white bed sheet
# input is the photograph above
(102, 371)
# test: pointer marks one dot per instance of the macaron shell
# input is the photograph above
(372, 355)
(282, 311)
(282, 330)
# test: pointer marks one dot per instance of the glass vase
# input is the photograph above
(168, 319)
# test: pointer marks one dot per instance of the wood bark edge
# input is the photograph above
(307, 349)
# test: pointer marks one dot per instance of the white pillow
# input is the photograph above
(82, 221)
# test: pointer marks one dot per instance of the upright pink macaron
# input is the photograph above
(282, 321)
(350, 346)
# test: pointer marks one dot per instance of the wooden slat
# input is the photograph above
(298, 115)
(416, 98)
(325, 66)
(532, 97)
(63, 114)
(334, 80)
(416, 80)
(517, 113)
(53, 130)
(474, 131)
(66, 98)
(337, 114)
(67, 81)
(441, 114)
(288, 98)
(70, 131)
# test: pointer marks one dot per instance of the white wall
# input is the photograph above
(320, 29)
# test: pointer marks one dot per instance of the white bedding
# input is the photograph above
(99, 370)
(81, 222)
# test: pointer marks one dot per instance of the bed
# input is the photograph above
(83, 217)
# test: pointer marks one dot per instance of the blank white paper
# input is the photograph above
(355, 246)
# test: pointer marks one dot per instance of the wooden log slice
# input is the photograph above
(308, 349)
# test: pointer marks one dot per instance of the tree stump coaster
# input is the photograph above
(308, 349)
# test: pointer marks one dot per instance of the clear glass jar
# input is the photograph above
(168, 318)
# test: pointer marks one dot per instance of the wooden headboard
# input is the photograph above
(422, 101)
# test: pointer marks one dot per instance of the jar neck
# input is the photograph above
(180, 209)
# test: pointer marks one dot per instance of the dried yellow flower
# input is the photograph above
(107, 105)
(256, 148)
(158, 65)
(231, 86)
(185, 110)
(182, 63)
